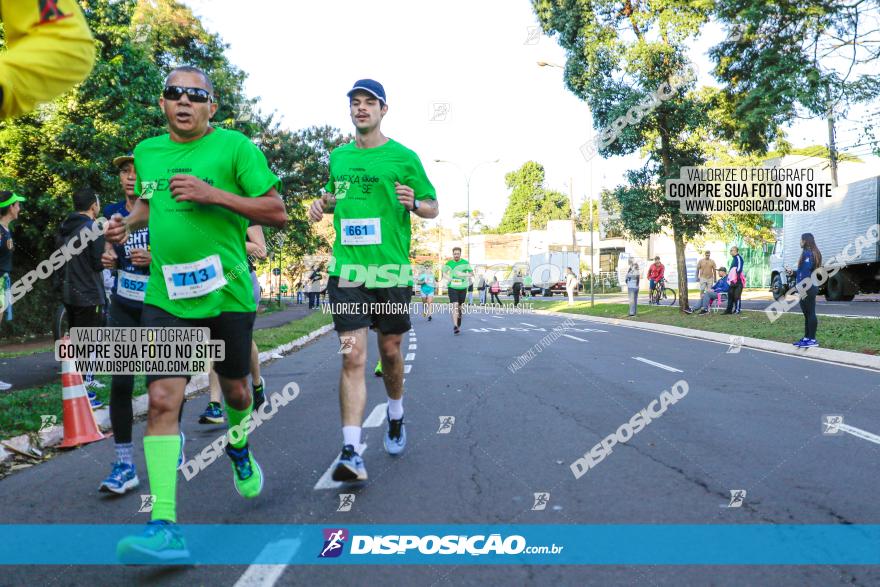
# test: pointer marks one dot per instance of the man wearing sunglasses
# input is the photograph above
(199, 187)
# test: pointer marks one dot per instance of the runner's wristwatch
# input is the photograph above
(415, 205)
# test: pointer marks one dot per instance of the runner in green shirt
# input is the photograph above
(459, 273)
(198, 187)
(376, 184)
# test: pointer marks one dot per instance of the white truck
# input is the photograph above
(548, 270)
(839, 223)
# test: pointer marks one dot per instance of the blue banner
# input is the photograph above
(454, 544)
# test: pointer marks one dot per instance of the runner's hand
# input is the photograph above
(108, 259)
(117, 231)
(141, 257)
(405, 195)
(316, 210)
(186, 188)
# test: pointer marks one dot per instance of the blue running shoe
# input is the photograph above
(808, 342)
(349, 466)
(94, 401)
(161, 542)
(395, 437)
(800, 342)
(247, 474)
(212, 414)
(122, 479)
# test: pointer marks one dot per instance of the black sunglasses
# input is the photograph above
(194, 94)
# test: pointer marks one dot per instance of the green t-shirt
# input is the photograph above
(200, 245)
(373, 228)
(458, 273)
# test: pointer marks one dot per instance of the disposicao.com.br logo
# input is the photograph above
(474, 545)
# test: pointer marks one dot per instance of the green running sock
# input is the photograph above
(237, 418)
(161, 454)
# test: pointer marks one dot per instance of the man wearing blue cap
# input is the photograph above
(9, 210)
(375, 185)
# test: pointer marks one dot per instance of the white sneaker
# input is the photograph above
(94, 383)
(4, 386)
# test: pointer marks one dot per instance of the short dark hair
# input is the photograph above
(83, 199)
(191, 69)
(456, 249)
(723, 269)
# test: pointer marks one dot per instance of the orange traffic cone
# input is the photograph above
(80, 426)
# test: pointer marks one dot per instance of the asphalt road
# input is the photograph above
(751, 420)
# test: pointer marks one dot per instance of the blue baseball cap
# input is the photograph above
(369, 86)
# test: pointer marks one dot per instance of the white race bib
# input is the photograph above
(192, 280)
(131, 286)
(361, 231)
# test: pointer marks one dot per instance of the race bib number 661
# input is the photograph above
(361, 231)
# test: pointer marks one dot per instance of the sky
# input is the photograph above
(462, 81)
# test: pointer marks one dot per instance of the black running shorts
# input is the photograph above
(457, 296)
(235, 329)
(385, 309)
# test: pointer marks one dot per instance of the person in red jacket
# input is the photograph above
(655, 275)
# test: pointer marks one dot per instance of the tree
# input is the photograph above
(583, 219)
(619, 55)
(70, 142)
(301, 160)
(787, 60)
(528, 196)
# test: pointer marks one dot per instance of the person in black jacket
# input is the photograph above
(82, 290)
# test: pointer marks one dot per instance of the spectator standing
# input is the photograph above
(482, 288)
(706, 270)
(632, 286)
(737, 281)
(517, 287)
(810, 260)
(313, 289)
(495, 289)
(82, 290)
(570, 284)
(9, 211)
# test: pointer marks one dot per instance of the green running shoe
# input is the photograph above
(378, 370)
(161, 542)
(247, 474)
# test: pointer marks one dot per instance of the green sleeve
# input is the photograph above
(417, 179)
(252, 170)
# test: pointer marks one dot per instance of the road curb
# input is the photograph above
(53, 436)
(833, 356)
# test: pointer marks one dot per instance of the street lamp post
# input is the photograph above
(592, 267)
(467, 180)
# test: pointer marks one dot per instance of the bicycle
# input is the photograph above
(662, 295)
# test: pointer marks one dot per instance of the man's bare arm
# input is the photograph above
(427, 209)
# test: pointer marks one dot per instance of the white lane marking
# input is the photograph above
(376, 417)
(410, 357)
(413, 347)
(261, 574)
(326, 481)
(407, 368)
(494, 316)
(661, 365)
(527, 324)
(483, 319)
(575, 338)
(859, 433)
